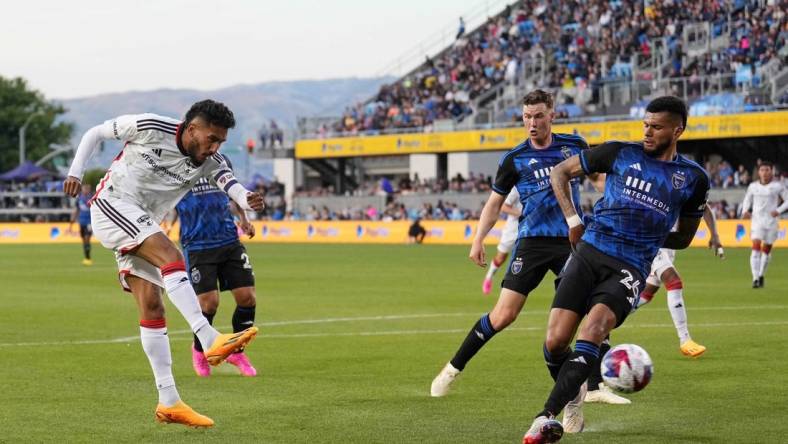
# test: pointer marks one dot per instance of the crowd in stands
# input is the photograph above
(271, 136)
(474, 183)
(585, 43)
(392, 211)
(723, 175)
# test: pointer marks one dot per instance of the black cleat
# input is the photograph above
(756, 283)
(760, 282)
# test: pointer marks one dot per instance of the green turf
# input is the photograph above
(387, 318)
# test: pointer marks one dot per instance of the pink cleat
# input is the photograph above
(241, 361)
(487, 286)
(200, 364)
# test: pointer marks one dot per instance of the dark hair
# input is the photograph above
(766, 163)
(214, 113)
(538, 96)
(670, 104)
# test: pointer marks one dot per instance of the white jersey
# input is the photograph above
(513, 200)
(762, 199)
(151, 170)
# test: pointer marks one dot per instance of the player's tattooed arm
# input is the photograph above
(560, 177)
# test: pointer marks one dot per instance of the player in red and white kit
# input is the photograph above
(762, 203)
(513, 209)
(161, 161)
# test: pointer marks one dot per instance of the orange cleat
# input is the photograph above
(181, 413)
(225, 345)
(692, 349)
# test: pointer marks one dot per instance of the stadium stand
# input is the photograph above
(599, 57)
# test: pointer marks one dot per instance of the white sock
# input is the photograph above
(679, 313)
(765, 258)
(755, 264)
(493, 268)
(156, 345)
(180, 291)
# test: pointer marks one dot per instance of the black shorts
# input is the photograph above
(85, 230)
(416, 230)
(531, 260)
(592, 277)
(229, 265)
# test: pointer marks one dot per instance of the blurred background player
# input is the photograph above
(162, 158)
(82, 215)
(663, 271)
(542, 243)
(761, 203)
(513, 209)
(416, 232)
(213, 250)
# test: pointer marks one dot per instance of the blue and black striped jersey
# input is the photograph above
(206, 219)
(643, 199)
(528, 169)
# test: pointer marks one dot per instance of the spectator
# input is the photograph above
(584, 45)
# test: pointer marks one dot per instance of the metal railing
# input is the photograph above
(472, 201)
(441, 39)
(509, 124)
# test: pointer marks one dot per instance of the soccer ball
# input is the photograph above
(627, 368)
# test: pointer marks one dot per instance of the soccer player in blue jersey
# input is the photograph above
(542, 243)
(648, 188)
(214, 254)
(82, 215)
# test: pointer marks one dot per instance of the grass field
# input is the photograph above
(351, 337)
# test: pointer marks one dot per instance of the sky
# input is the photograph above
(84, 48)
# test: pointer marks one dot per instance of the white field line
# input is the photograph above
(187, 333)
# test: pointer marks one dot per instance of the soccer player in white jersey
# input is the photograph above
(161, 161)
(513, 209)
(762, 204)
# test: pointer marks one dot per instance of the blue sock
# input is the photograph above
(573, 374)
(481, 332)
(554, 361)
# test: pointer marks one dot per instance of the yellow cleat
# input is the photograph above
(181, 413)
(225, 345)
(87, 262)
(692, 349)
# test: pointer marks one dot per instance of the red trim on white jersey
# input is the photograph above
(122, 278)
(125, 250)
(178, 139)
(106, 176)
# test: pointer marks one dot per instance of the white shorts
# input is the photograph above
(764, 233)
(508, 236)
(122, 226)
(662, 262)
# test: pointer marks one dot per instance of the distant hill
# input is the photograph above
(252, 104)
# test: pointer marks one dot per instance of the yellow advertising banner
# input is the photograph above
(733, 233)
(700, 127)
